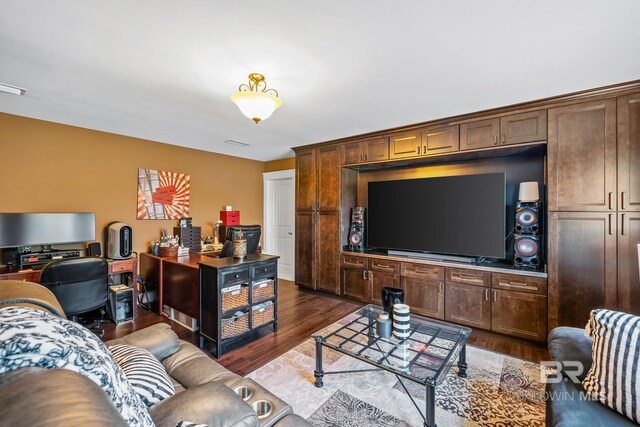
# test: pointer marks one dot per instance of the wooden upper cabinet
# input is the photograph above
(329, 171)
(375, 150)
(524, 127)
(306, 180)
(628, 277)
(479, 134)
(351, 153)
(629, 152)
(405, 145)
(443, 139)
(582, 157)
(582, 266)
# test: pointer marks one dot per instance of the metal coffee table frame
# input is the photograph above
(432, 346)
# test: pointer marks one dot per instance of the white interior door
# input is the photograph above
(279, 211)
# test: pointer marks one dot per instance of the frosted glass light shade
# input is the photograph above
(256, 105)
(529, 192)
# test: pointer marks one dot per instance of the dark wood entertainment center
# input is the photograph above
(584, 150)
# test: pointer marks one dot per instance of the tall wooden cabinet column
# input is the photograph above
(594, 208)
(318, 218)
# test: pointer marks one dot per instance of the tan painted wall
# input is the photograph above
(280, 164)
(49, 167)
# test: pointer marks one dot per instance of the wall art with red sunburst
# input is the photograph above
(163, 195)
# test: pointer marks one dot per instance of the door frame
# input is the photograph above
(268, 179)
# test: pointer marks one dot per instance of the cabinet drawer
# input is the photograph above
(516, 282)
(235, 276)
(353, 261)
(384, 265)
(121, 266)
(422, 271)
(468, 277)
(263, 270)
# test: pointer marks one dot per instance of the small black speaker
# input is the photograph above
(356, 230)
(94, 249)
(528, 218)
(528, 250)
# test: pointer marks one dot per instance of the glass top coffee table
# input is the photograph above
(424, 357)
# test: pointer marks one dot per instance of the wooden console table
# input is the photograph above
(237, 299)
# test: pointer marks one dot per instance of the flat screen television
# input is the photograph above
(453, 215)
(31, 229)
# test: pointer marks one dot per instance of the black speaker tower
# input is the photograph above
(356, 230)
(527, 239)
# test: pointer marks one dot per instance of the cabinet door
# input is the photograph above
(468, 305)
(306, 180)
(629, 152)
(425, 297)
(327, 242)
(524, 127)
(628, 277)
(381, 280)
(329, 172)
(352, 153)
(480, 134)
(354, 283)
(519, 314)
(405, 145)
(582, 157)
(582, 266)
(305, 253)
(375, 150)
(443, 139)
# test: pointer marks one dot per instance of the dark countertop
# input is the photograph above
(230, 262)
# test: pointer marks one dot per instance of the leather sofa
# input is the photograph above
(204, 389)
(567, 404)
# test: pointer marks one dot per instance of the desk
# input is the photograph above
(172, 281)
(116, 269)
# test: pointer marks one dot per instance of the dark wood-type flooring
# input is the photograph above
(300, 314)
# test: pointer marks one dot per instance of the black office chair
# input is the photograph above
(81, 285)
(250, 232)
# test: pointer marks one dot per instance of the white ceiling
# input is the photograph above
(164, 70)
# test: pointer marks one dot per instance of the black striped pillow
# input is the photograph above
(145, 373)
(613, 377)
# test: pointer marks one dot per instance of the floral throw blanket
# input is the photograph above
(32, 338)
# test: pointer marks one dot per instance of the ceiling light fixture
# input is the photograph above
(256, 101)
(12, 89)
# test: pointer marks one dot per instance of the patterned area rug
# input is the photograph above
(500, 391)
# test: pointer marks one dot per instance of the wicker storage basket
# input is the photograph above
(168, 251)
(262, 314)
(235, 325)
(234, 297)
(263, 290)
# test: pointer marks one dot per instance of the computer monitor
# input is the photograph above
(31, 229)
(249, 232)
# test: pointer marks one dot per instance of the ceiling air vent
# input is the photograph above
(236, 143)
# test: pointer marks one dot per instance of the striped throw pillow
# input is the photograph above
(613, 378)
(145, 373)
